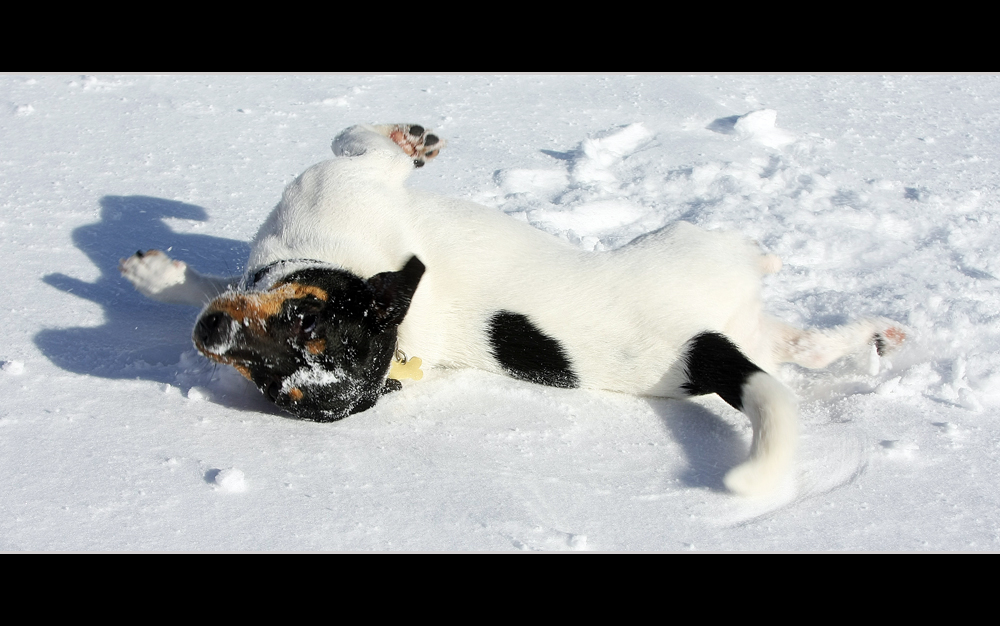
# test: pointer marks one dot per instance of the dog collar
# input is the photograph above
(263, 277)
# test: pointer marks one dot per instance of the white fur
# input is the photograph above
(773, 412)
(624, 317)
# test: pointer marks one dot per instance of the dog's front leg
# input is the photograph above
(157, 276)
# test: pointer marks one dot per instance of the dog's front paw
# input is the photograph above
(416, 141)
(889, 338)
(152, 272)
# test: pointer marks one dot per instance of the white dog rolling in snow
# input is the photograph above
(352, 270)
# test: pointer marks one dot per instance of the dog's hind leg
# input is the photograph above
(157, 276)
(816, 348)
(418, 143)
(714, 364)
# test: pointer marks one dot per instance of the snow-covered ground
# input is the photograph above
(880, 193)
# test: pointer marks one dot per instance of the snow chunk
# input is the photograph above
(93, 83)
(615, 145)
(231, 480)
(602, 152)
(759, 126)
(968, 400)
(541, 539)
(889, 387)
(14, 368)
(542, 182)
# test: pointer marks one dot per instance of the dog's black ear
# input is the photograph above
(394, 291)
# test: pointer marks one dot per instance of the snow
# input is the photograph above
(231, 480)
(14, 368)
(879, 193)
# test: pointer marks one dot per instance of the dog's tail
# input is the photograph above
(716, 365)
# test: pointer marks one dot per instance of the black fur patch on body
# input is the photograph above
(526, 353)
(716, 365)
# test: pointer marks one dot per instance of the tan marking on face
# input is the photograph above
(316, 346)
(295, 394)
(252, 309)
(243, 371)
(301, 291)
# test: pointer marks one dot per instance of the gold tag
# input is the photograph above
(399, 370)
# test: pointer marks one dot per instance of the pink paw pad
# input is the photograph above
(888, 340)
(417, 142)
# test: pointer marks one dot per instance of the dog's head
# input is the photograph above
(315, 339)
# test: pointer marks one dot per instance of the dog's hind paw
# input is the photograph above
(416, 141)
(890, 338)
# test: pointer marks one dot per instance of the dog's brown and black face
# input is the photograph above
(316, 340)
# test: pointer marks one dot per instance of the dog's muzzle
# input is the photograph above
(212, 331)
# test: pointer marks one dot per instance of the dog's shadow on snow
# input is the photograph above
(140, 338)
(712, 446)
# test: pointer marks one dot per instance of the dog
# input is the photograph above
(352, 271)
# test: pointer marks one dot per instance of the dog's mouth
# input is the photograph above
(241, 366)
(232, 337)
(290, 387)
(214, 338)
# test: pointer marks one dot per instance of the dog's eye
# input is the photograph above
(304, 324)
(308, 323)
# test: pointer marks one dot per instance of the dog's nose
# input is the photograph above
(210, 328)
